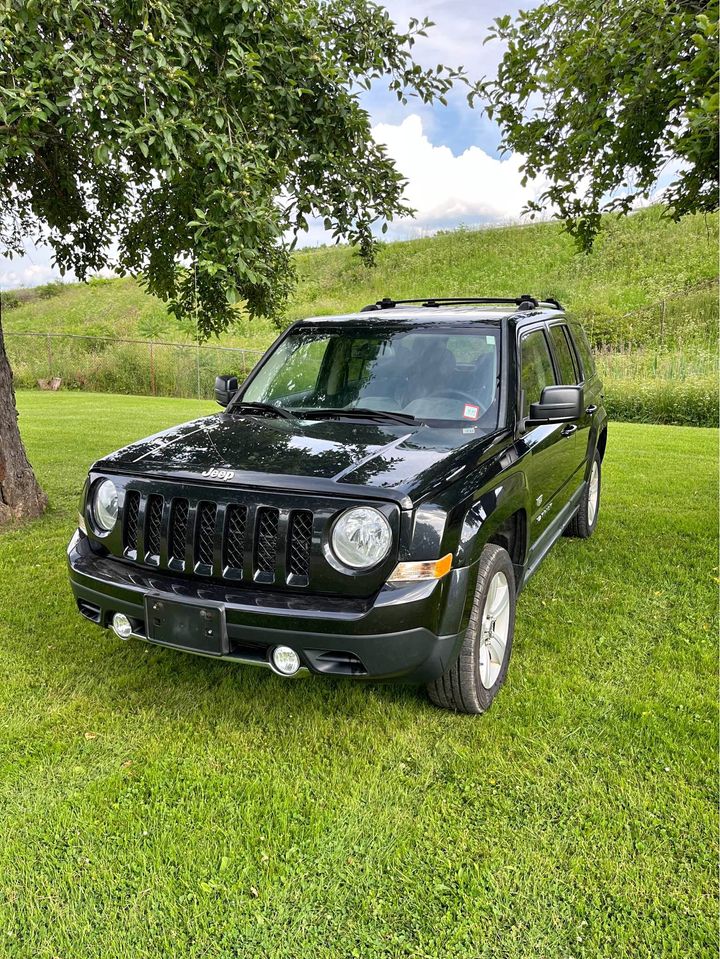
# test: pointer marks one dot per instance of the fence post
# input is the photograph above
(197, 358)
(50, 356)
(152, 370)
(662, 324)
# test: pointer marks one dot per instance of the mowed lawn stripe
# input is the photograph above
(155, 804)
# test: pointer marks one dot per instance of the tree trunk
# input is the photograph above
(20, 494)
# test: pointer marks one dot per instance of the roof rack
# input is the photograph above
(524, 302)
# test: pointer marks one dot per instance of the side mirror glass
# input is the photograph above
(558, 404)
(225, 388)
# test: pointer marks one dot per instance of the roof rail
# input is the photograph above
(524, 302)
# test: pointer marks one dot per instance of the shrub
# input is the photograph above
(8, 301)
(692, 402)
(49, 290)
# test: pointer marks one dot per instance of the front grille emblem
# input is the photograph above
(224, 475)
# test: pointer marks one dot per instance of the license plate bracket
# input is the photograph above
(197, 626)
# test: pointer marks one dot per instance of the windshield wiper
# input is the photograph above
(359, 412)
(263, 408)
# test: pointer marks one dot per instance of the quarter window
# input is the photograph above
(563, 355)
(536, 369)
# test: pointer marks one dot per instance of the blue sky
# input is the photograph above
(448, 154)
(456, 39)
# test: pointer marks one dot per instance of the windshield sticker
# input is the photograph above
(471, 412)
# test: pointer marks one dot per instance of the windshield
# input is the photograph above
(449, 376)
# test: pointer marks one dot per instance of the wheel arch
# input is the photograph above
(500, 512)
(499, 517)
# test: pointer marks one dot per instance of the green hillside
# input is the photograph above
(648, 280)
(648, 296)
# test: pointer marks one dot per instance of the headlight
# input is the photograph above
(105, 506)
(361, 538)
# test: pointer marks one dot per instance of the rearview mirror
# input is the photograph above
(225, 388)
(558, 404)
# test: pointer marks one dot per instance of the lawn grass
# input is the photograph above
(153, 804)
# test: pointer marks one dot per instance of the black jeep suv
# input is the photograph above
(369, 503)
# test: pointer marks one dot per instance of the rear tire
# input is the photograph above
(473, 681)
(583, 523)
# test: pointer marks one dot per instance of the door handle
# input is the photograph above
(591, 409)
(569, 429)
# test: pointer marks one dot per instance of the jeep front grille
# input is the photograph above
(152, 529)
(178, 530)
(205, 533)
(263, 544)
(130, 528)
(266, 547)
(299, 542)
(234, 540)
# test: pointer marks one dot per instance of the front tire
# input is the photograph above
(473, 681)
(583, 523)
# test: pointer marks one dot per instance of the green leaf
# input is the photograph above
(176, 132)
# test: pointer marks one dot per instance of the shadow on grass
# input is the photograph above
(139, 676)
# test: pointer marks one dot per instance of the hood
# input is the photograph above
(279, 453)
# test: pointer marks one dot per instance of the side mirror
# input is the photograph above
(558, 404)
(225, 388)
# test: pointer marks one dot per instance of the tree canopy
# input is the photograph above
(191, 142)
(603, 97)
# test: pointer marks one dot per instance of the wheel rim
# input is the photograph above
(494, 629)
(593, 493)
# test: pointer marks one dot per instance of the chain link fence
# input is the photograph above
(106, 364)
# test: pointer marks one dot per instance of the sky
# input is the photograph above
(449, 155)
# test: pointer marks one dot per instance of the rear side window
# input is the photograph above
(582, 346)
(536, 369)
(569, 374)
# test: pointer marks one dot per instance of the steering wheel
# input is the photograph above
(458, 395)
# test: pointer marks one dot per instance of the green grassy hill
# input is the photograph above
(648, 296)
(648, 279)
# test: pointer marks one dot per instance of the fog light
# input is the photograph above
(284, 660)
(122, 626)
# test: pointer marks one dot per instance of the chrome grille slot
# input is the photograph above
(299, 543)
(205, 541)
(153, 520)
(130, 526)
(266, 525)
(234, 544)
(178, 531)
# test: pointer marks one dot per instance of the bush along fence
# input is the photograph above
(108, 365)
(646, 386)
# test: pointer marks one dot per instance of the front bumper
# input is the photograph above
(410, 632)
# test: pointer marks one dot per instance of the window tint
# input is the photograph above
(536, 369)
(563, 354)
(583, 348)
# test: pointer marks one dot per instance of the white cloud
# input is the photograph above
(445, 189)
(459, 34)
(26, 274)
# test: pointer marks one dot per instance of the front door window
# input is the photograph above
(536, 369)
